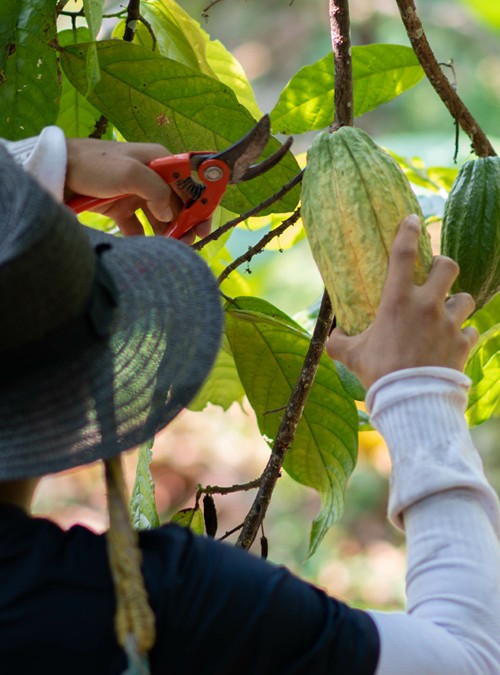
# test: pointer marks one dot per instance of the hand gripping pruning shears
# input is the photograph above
(200, 178)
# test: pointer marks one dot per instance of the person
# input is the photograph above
(90, 388)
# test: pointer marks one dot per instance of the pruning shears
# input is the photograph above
(200, 178)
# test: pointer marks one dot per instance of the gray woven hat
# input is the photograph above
(103, 339)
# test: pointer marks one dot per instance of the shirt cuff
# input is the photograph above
(44, 157)
(420, 413)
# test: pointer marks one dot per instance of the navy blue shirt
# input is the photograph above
(219, 609)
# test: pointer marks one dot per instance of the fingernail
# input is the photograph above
(167, 214)
(413, 221)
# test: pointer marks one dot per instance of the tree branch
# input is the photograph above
(460, 113)
(226, 490)
(252, 212)
(288, 426)
(259, 247)
(133, 17)
(340, 32)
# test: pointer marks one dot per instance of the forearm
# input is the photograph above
(440, 496)
(44, 157)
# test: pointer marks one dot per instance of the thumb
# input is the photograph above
(338, 345)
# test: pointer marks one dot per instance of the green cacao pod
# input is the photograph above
(471, 228)
(354, 196)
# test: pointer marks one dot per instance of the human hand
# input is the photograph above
(108, 169)
(414, 325)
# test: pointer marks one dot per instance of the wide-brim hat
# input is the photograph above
(103, 339)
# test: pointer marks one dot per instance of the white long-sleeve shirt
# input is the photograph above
(439, 496)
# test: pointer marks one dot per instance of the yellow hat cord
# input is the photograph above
(134, 618)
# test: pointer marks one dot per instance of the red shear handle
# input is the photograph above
(176, 171)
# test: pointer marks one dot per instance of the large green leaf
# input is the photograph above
(143, 511)
(151, 98)
(181, 38)
(29, 87)
(483, 366)
(77, 117)
(269, 351)
(380, 73)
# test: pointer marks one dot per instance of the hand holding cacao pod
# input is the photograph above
(354, 196)
(415, 325)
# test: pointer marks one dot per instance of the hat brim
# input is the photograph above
(117, 393)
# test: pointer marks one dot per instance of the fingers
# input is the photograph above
(459, 307)
(142, 181)
(471, 334)
(403, 256)
(442, 275)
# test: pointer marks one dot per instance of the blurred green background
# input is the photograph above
(362, 558)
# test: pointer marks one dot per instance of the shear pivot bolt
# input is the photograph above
(213, 173)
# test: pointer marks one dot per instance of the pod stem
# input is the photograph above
(340, 31)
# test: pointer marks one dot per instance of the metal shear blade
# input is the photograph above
(240, 156)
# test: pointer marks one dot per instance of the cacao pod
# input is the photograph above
(354, 196)
(471, 228)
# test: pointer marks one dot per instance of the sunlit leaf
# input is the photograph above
(181, 38)
(230, 71)
(77, 117)
(190, 518)
(151, 98)
(223, 386)
(433, 178)
(269, 350)
(143, 511)
(483, 366)
(29, 88)
(380, 73)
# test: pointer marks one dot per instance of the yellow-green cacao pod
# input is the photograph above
(471, 228)
(354, 196)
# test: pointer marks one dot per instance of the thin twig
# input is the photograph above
(259, 246)
(252, 212)
(341, 45)
(442, 86)
(227, 490)
(230, 532)
(204, 12)
(288, 426)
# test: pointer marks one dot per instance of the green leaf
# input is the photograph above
(93, 14)
(181, 38)
(142, 501)
(151, 98)
(29, 87)
(191, 518)
(230, 71)
(223, 386)
(483, 365)
(380, 73)
(77, 117)
(434, 178)
(269, 352)
(350, 382)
